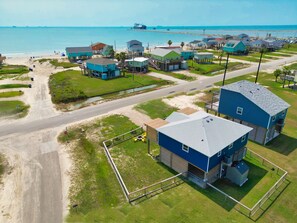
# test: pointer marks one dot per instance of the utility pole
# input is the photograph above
(226, 66)
(262, 51)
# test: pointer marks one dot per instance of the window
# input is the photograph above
(283, 113)
(273, 118)
(243, 138)
(239, 110)
(185, 148)
(219, 153)
(230, 146)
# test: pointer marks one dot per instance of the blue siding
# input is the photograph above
(187, 55)
(215, 160)
(192, 156)
(101, 68)
(278, 117)
(229, 101)
(81, 54)
(240, 47)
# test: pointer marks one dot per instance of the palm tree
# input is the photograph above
(182, 44)
(277, 73)
(286, 71)
(122, 57)
(221, 54)
(169, 42)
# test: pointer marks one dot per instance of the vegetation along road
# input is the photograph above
(85, 113)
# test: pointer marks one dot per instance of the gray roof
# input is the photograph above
(161, 52)
(203, 132)
(100, 61)
(78, 49)
(134, 41)
(259, 95)
(234, 42)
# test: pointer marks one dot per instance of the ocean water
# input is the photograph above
(18, 41)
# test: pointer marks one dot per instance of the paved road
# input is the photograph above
(42, 201)
(88, 112)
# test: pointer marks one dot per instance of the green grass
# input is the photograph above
(156, 109)
(185, 203)
(56, 63)
(1, 167)
(175, 75)
(278, 54)
(5, 86)
(13, 69)
(290, 48)
(68, 86)
(248, 58)
(8, 108)
(213, 68)
(292, 66)
(9, 94)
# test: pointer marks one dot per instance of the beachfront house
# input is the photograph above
(135, 48)
(203, 57)
(187, 54)
(102, 68)
(165, 59)
(107, 51)
(235, 47)
(201, 145)
(259, 45)
(255, 106)
(98, 47)
(197, 44)
(79, 53)
(137, 64)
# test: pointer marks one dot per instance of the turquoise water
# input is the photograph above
(45, 40)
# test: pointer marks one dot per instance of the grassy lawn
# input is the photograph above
(175, 75)
(248, 58)
(5, 86)
(278, 54)
(9, 94)
(71, 85)
(8, 108)
(292, 66)
(13, 69)
(290, 48)
(156, 109)
(213, 68)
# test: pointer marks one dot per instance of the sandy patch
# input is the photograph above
(182, 101)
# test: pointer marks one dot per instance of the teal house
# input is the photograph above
(138, 64)
(102, 68)
(235, 47)
(107, 51)
(187, 54)
(79, 53)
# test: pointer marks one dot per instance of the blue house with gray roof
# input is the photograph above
(235, 47)
(79, 53)
(202, 145)
(255, 106)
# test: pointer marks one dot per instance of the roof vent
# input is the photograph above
(211, 119)
(207, 121)
(202, 140)
(251, 92)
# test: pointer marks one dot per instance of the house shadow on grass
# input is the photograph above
(256, 173)
(283, 144)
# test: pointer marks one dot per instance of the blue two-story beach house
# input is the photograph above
(204, 146)
(102, 68)
(135, 48)
(254, 106)
(79, 53)
(235, 47)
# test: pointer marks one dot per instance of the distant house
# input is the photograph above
(255, 106)
(79, 53)
(2, 58)
(259, 44)
(98, 47)
(275, 44)
(102, 68)
(166, 59)
(242, 36)
(168, 47)
(204, 146)
(206, 39)
(135, 48)
(227, 37)
(138, 64)
(185, 54)
(203, 57)
(198, 44)
(107, 51)
(235, 47)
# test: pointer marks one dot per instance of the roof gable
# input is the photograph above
(259, 95)
(163, 52)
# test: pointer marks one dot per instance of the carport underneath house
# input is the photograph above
(204, 146)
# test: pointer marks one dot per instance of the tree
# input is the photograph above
(286, 71)
(169, 42)
(182, 44)
(122, 57)
(221, 56)
(277, 73)
(111, 53)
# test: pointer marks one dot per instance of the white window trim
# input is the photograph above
(185, 148)
(230, 146)
(219, 153)
(239, 108)
(243, 138)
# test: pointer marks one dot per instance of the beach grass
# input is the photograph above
(69, 86)
(155, 109)
(5, 86)
(8, 108)
(56, 63)
(13, 69)
(9, 94)
(172, 74)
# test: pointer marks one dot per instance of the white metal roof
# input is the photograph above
(138, 59)
(203, 132)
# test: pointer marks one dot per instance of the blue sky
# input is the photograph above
(149, 12)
